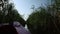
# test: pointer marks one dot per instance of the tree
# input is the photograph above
(45, 20)
(42, 22)
(11, 15)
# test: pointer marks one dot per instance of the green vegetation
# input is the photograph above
(11, 16)
(45, 20)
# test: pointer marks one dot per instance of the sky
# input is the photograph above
(24, 6)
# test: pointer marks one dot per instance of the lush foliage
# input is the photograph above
(45, 20)
(11, 16)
